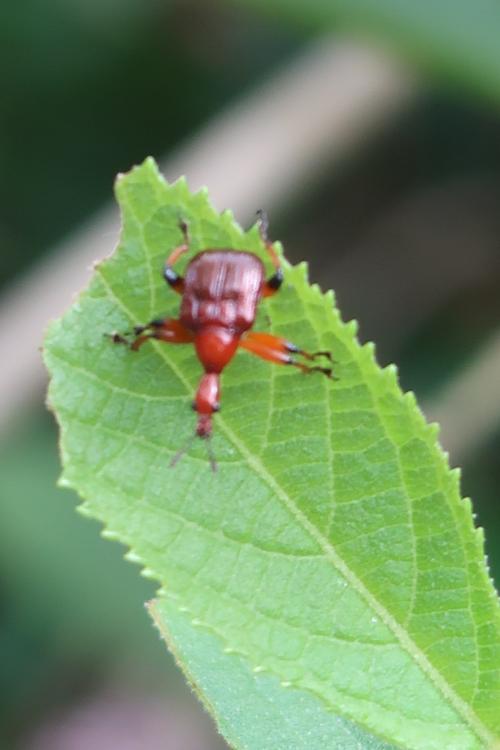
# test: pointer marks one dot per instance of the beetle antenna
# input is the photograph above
(211, 454)
(263, 223)
(187, 446)
(183, 450)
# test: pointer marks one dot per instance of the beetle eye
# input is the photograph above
(216, 407)
(193, 405)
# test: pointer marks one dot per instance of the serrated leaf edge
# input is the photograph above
(460, 706)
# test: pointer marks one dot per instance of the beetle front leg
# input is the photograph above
(169, 330)
(283, 352)
(274, 282)
(172, 277)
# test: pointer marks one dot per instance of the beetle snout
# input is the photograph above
(204, 426)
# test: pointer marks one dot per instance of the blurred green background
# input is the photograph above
(405, 226)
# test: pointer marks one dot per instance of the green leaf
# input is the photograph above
(287, 718)
(331, 550)
(457, 40)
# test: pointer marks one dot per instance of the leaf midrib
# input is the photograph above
(407, 643)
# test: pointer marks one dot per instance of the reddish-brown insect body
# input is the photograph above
(221, 292)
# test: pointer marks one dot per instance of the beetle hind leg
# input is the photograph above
(309, 355)
(283, 352)
(152, 325)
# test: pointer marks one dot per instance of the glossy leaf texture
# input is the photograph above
(331, 551)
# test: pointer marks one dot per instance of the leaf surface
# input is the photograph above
(253, 709)
(332, 549)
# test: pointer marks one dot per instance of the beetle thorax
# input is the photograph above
(222, 288)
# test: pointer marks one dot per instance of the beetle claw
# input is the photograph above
(117, 338)
(328, 355)
(211, 455)
(184, 227)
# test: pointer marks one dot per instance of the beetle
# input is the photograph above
(221, 291)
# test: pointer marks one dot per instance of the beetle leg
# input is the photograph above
(169, 330)
(273, 283)
(172, 277)
(282, 352)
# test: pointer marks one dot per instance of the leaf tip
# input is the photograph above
(479, 532)
(133, 557)
(149, 165)
(329, 297)
(62, 481)
(201, 196)
(150, 574)
(434, 430)
(352, 327)
(410, 398)
(110, 534)
(302, 268)
(456, 475)
(84, 510)
(370, 347)
(181, 183)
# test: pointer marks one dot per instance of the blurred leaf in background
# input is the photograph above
(89, 89)
(84, 608)
(457, 41)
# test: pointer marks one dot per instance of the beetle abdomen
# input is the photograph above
(222, 288)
